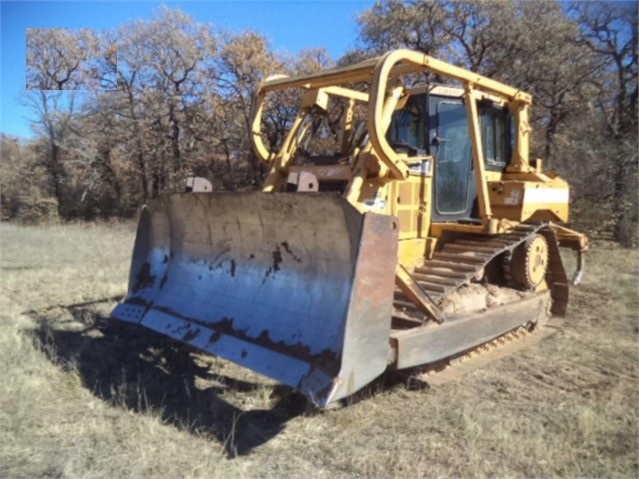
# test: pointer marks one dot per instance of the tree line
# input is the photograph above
(123, 115)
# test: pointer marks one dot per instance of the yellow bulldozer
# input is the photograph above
(397, 226)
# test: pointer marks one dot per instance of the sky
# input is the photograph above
(290, 26)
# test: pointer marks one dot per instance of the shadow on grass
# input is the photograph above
(140, 370)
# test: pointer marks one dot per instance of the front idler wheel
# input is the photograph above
(529, 262)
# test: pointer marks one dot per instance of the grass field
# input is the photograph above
(82, 397)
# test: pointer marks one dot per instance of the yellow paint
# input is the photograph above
(383, 181)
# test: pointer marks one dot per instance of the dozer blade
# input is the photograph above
(298, 287)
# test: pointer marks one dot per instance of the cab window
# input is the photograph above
(496, 138)
(407, 127)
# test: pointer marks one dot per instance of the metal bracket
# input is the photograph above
(411, 288)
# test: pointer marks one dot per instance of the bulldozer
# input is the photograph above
(401, 222)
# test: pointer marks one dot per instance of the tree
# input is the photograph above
(53, 110)
(609, 31)
(414, 24)
(174, 53)
(518, 42)
(242, 61)
(579, 63)
(161, 64)
(64, 59)
(23, 188)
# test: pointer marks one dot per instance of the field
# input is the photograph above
(82, 397)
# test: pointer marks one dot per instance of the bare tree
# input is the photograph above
(580, 64)
(609, 31)
(174, 51)
(52, 112)
(242, 61)
(64, 59)
(61, 59)
(160, 77)
(518, 42)
(415, 24)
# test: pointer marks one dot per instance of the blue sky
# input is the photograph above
(290, 25)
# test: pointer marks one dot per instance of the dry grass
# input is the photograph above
(81, 397)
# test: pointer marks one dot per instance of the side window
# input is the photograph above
(496, 133)
(407, 127)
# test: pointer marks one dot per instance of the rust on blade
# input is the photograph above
(236, 275)
(144, 278)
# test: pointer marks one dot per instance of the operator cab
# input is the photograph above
(434, 121)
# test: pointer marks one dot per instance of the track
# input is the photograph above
(453, 368)
(466, 258)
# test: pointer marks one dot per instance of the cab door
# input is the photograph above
(454, 191)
